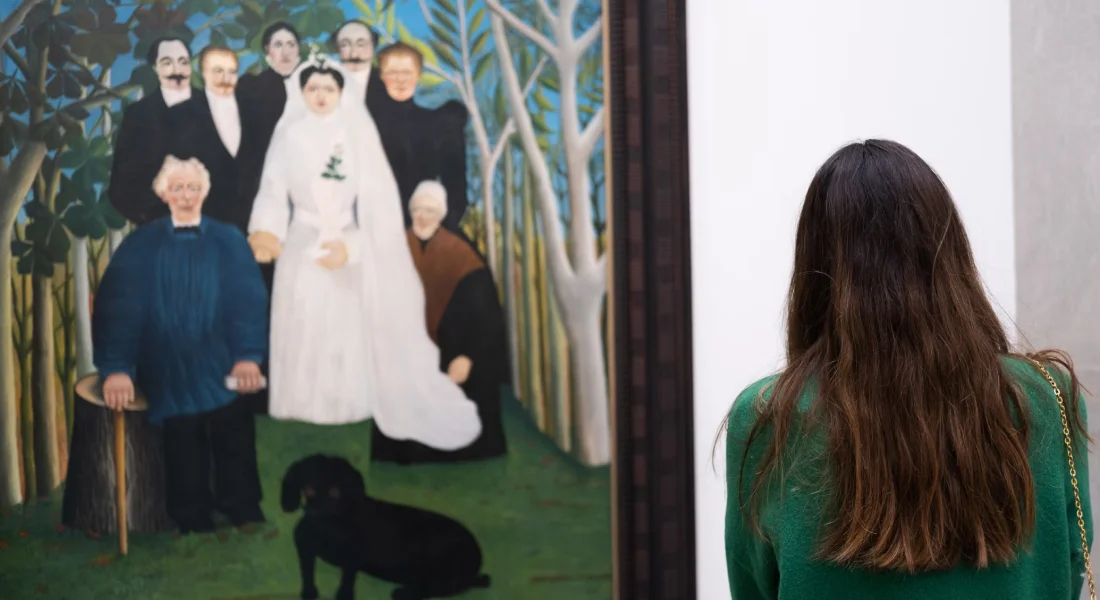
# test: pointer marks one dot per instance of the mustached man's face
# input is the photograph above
(356, 47)
(283, 53)
(219, 72)
(173, 65)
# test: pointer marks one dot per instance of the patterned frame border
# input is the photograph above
(651, 298)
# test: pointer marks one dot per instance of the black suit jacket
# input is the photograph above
(197, 137)
(144, 135)
(262, 99)
(426, 144)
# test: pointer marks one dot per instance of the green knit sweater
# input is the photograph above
(1053, 566)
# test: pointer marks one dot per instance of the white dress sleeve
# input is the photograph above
(271, 209)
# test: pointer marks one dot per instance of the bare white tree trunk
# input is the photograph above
(82, 298)
(15, 181)
(508, 258)
(579, 285)
(114, 237)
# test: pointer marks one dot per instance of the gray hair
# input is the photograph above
(429, 194)
(173, 166)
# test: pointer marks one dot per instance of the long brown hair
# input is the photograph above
(927, 434)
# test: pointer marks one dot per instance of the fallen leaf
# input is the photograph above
(95, 535)
(24, 533)
(271, 534)
(41, 589)
(60, 528)
(103, 560)
(3, 545)
(222, 536)
(547, 460)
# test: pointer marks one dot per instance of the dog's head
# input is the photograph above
(329, 484)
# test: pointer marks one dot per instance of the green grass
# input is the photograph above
(544, 523)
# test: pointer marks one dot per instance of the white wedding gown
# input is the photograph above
(351, 343)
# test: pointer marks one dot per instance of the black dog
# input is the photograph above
(427, 554)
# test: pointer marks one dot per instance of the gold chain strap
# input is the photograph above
(1073, 478)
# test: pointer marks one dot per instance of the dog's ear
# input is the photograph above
(293, 480)
(352, 480)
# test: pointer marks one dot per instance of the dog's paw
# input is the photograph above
(310, 593)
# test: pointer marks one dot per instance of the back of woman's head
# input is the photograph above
(927, 435)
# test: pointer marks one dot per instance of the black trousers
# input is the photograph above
(210, 463)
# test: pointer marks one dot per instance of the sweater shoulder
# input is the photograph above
(746, 408)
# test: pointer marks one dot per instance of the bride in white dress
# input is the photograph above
(349, 339)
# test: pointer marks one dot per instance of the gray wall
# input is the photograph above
(1056, 151)
(1056, 140)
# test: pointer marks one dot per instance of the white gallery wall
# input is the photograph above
(775, 86)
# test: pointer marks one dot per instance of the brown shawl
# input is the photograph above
(443, 262)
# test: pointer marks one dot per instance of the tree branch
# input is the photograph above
(109, 95)
(21, 175)
(546, 11)
(15, 19)
(98, 79)
(523, 28)
(510, 125)
(559, 264)
(592, 133)
(18, 59)
(589, 37)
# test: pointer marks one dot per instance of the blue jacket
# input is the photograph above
(176, 310)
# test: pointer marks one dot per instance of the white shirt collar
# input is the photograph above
(193, 223)
(174, 97)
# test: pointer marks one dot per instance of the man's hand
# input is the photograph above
(265, 246)
(459, 369)
(118, 391)
(337, 255)
(249, 378)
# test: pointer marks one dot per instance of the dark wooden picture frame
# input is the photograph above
(651, 370)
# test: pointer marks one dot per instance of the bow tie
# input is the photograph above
(187, 229)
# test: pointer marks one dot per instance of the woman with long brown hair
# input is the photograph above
(904, 451)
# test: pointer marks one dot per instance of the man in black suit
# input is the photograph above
(355, 41)
(422, 144)
(213, 128)
(145, 133)
(263, 96)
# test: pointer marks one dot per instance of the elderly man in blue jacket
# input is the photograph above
(182, 312)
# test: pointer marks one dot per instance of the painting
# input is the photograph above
(343, 291)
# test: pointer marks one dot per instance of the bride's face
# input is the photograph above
(321, 93)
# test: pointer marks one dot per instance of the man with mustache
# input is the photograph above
(145, 133)
(355, 42)
(213, 128)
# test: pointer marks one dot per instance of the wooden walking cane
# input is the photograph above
(120, 479)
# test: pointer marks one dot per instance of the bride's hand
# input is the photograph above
(265, 246)
(337, 255)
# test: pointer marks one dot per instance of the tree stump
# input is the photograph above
(90, 489)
